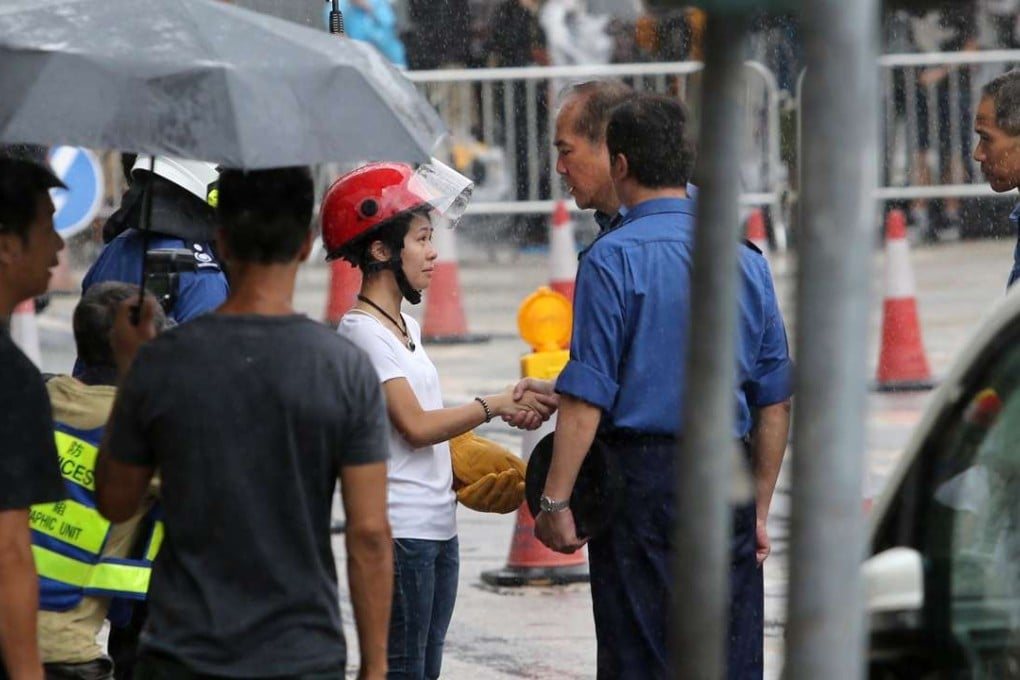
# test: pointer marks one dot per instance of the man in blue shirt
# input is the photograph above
(624, 384)
(997, 124)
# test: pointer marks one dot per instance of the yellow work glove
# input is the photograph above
(500, 493)
(486, 476)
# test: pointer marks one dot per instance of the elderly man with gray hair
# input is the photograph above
(997, 125)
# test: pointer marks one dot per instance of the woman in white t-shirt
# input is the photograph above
(379, 218)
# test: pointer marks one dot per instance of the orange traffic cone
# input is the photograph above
(344, 284)
(25, 332)
(756, 233)
(562, 253)
(901, 363)
(444, 321)
(530, 563)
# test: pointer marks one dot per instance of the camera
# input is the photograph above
(163, 267)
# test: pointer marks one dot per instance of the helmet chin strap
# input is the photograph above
(410, 294)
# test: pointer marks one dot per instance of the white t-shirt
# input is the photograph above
(419, 481)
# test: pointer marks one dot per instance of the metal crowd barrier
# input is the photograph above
(927, 131)
(503, 120)
(929, 124)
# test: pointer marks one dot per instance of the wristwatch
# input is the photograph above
(547, 504)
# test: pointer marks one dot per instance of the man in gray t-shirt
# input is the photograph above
(250, 414)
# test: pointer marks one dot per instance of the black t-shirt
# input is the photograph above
(249, 419)
(31, 471)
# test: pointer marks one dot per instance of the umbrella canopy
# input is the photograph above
(204, 80)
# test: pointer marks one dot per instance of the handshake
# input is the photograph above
(525, 405)
(486, 476)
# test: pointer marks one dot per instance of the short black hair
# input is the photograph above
(391, 232)
(21, 183)
(1004, 92)
(93, 321)
(596, 100)
(651, 131)
(266, 215)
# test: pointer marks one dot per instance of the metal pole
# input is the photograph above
(841, 113)
(701, 539)
(532, 137)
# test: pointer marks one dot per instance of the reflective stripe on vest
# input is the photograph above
(69, 537)
(77, 460)
(107, 577)
(71, 522)
(155, 541)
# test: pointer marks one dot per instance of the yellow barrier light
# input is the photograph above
(545, 320)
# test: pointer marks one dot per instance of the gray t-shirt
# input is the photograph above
(249, 419)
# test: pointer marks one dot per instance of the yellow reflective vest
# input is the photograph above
(68, 536)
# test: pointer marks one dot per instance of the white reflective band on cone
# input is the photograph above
(899, 278)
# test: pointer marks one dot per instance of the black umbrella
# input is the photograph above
(205, 80)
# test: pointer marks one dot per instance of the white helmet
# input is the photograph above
(197, 177)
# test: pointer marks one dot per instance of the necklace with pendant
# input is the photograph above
(402, 326)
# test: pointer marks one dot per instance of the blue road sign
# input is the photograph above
(78, 205)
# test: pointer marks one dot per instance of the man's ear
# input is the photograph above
(11, 247)
(306, 247)
(618, 167)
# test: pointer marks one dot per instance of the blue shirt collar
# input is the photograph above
(609, 222)
(658, 206)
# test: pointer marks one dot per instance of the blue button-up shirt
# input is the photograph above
(632, 311)
(1014, 274)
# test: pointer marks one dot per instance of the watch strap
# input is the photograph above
(549, 505)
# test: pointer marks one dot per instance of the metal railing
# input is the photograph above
(928, 106)
(508, 114)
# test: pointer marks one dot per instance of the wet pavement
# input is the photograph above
(547, 632)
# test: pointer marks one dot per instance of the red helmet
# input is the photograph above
(361, 200)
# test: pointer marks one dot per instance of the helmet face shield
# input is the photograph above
(447, 191)
(365, 198)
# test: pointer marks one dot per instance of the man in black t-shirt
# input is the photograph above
(251, 413)
(28, 457)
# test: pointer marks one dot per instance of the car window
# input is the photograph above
(972, 534)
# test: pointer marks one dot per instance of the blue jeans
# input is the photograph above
(424, 592)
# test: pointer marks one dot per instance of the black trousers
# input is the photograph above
(159, 667)
(631, 577)
(98, 669)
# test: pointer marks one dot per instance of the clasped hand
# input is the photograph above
(533, 401)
